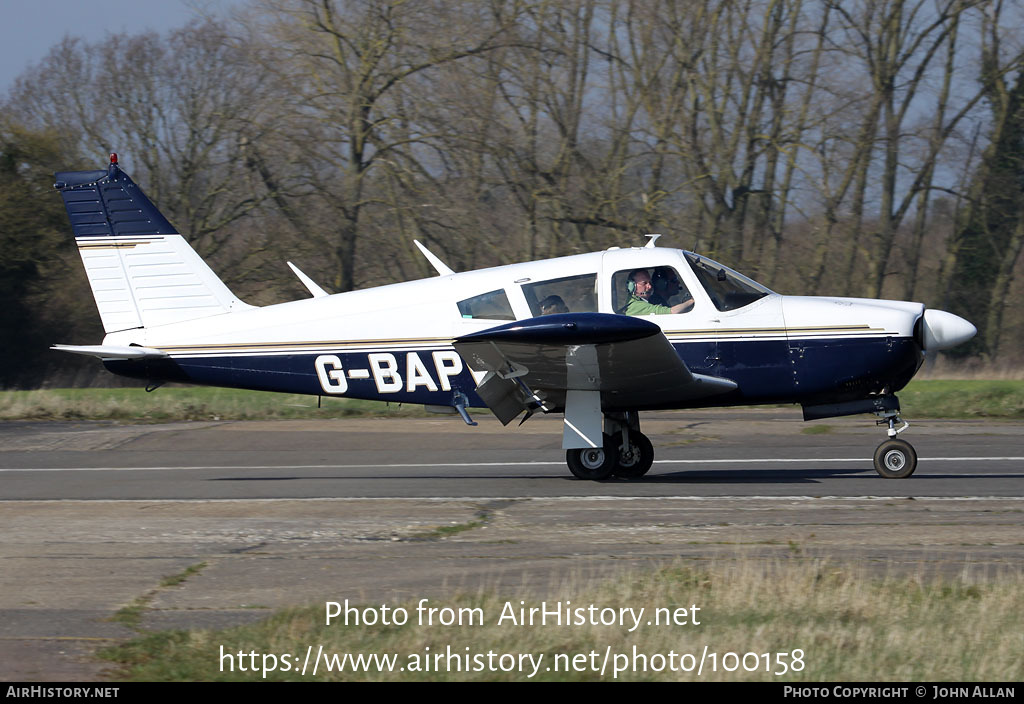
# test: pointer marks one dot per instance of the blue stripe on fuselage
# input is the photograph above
(767, 371)
(428, 376)
(846, 369)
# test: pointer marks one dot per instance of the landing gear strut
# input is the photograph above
(626, 452)
(894, 458)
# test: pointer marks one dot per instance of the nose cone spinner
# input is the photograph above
(943, 330)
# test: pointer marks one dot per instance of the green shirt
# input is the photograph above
(638, 306)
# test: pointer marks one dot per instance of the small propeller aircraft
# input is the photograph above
(598, 337)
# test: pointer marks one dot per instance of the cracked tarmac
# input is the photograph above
(68, 566)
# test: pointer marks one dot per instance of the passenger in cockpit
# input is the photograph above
(665, 282)
(553, 304)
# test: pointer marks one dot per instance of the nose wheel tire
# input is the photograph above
(635, 460)
(895, 459)
(593, 463)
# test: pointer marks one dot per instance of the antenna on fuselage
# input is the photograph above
(308, 282)
(652, 238)
(441, 268)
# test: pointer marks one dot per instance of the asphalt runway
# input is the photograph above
(271, 514)
(768, 453)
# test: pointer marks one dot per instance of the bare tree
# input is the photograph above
(347, 65)
(175, 107)
(985, 249)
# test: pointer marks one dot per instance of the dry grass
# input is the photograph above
(850, 625)
(970, 370)
(183, 403)
(921, 399)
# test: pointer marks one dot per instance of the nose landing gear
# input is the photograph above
(894, 458)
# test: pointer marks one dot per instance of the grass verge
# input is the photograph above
(921, 399)
(941, 398)
(171, 403)
(849, 625)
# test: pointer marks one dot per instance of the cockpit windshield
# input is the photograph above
(727, 289)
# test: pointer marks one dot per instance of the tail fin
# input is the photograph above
(142, 272)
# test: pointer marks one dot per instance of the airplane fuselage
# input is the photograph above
(597, 337)
(394, 342)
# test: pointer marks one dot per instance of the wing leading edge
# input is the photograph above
(535, 363)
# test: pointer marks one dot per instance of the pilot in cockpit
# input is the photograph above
(641, 290)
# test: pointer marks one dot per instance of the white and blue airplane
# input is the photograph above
(598, 337)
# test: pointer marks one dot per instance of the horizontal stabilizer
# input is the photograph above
(112, 351)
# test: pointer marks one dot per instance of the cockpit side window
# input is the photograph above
(666, 293)
(570, 294)
(492, 305)
(726, 289)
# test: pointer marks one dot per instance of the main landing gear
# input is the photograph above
(625, 452)
(894, 458)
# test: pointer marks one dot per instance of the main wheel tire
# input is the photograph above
(895, 459)
(636, 460)
(593, 463)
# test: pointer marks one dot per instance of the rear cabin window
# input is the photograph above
(492, 305)
(570, 294)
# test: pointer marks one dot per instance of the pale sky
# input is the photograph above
(28, 28)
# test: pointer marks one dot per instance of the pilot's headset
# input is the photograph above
(631, 283)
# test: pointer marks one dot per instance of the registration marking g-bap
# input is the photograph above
(384, 368)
